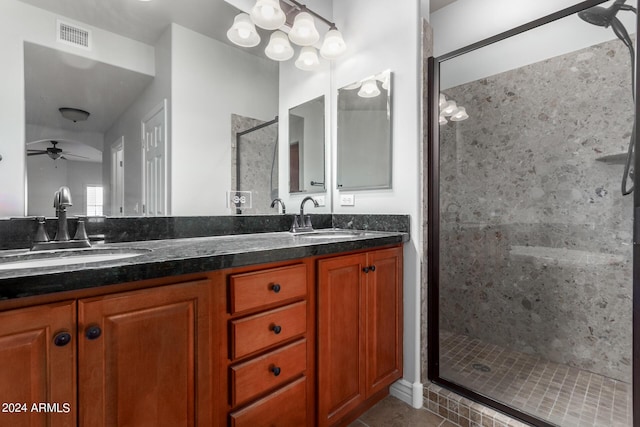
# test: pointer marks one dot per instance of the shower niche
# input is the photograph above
(533, 235)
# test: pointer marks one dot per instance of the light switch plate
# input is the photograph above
(320, 200)
(347, 200)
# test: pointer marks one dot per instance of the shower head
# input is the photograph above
(601, 16)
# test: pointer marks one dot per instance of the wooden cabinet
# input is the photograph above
(359, 331)
(144, 357)
(38, 366)
(139, 358)
(270, 364)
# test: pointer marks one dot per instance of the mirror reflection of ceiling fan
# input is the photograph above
(54, 152)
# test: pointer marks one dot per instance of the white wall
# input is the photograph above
(210, 81)
(128, 125)
(20, 22)
(385, 34)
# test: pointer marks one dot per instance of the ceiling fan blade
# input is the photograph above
(73, 155)
(35, 152)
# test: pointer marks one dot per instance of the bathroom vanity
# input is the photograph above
(244, 330)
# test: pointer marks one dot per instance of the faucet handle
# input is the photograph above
(81, 232)
(41, 232)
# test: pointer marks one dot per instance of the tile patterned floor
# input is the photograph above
(391, 412)
(561, 394)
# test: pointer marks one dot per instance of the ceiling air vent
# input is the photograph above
(73, 35)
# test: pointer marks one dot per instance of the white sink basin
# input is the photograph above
(66, 257)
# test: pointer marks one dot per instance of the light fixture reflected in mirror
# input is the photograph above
(243, 32)
(369, 88)
(460, 115)
(450, 109)
(74, 114)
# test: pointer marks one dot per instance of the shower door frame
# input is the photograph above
(433, 228)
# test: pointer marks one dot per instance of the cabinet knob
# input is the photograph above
(275, 288)
(372, 268)
(369, 268)
(93, 332)
(276, 329)
(62, 338)
(276, 371)
(365, 269)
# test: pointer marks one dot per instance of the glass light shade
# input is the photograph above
(450, 108)
(279, 48)
(243, 32)
(267, 14)
(369, 89)
(442, 120)
(333, 45)
(460, 115)
(442, 102)
(304, 32)
(308, 59)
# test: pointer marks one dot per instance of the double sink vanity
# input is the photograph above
(271, 328)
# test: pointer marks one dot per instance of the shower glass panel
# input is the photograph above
(256, 167)
(535, 236)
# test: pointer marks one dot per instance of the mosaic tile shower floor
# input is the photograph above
(561, 394)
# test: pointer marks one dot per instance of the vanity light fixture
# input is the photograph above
(450, 108)
(460, 115)
(443, 120)
(308, 59)
(304, 32)
(279, 48)
(296, 19)
(369, 88)
(74, 114)
(267, 14)
(243, 32)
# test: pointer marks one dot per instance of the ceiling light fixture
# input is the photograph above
(294, 18)
(74, 114)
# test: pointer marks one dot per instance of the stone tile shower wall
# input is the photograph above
(535, 234)
(258, 163)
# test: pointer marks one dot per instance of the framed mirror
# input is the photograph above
(140, 68)
(307, 147)
(364, 134)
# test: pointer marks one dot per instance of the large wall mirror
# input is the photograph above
(307, 147)
(364, 134)
(533, 234)
(150, 74)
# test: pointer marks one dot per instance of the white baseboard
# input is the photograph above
(411, 394)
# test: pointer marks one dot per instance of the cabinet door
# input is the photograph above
(341, 341)
(38, 359)
(384, 319)
(144, 357)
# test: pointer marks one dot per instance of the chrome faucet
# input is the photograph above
(279, 200)
(61, 201)
(304, 223)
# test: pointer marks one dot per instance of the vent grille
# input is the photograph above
(73, 35)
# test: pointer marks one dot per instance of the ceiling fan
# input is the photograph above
(54, 152)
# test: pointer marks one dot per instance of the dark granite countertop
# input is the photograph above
(173, 257)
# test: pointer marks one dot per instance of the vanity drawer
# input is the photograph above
(252, 378)
(286, 407)
(261, 288)
(262, 330)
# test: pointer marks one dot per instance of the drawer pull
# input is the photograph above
(275, 288)
(62, 338)
(93, 332)
(276, 370)
(276, 329)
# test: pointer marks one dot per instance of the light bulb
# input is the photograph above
(267, 14)
(333, 46)
(244, 33)
(279, 48)
(304, 32)
(308, 59)
(267, 11)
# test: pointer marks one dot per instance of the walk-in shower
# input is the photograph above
(255, 163)
(531, 243)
